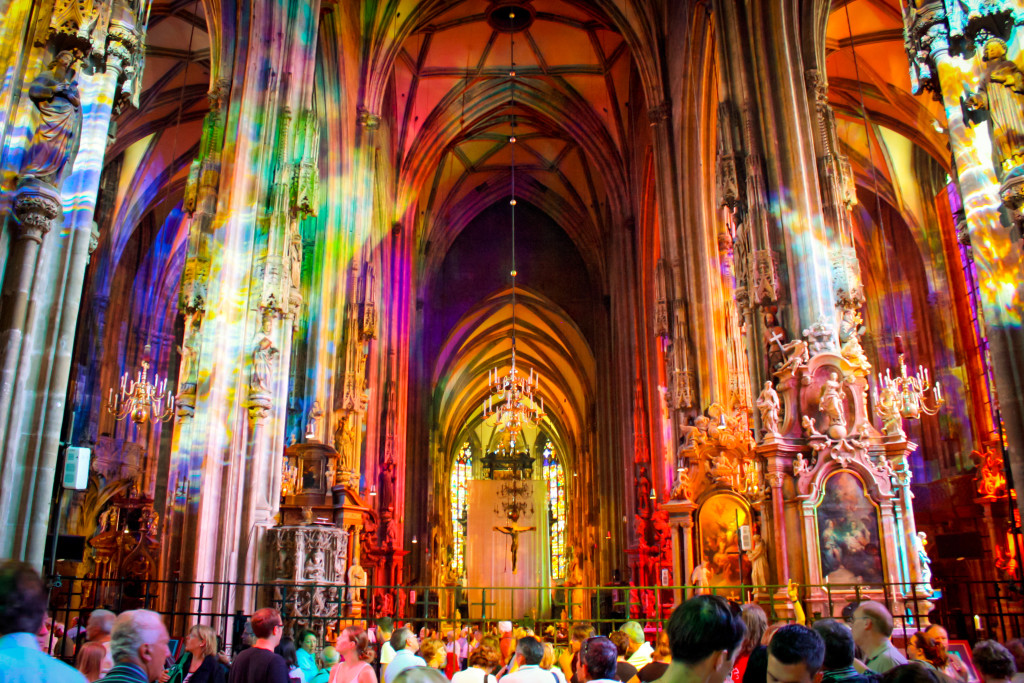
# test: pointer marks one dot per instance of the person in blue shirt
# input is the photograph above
(22, 609)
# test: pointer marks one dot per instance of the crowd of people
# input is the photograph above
(706, 640)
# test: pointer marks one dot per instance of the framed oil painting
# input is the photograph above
(719, 521)
(848, 539)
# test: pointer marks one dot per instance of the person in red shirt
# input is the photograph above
(757, 623)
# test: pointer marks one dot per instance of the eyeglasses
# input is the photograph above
(850, 619)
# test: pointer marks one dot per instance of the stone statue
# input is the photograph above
(313, 420)
(315, 566)
(700, 578)
(386, 495)
(758, 556)
(830, 400)
(850, 329)
(1002, 93)
(768, 404)
(774, 335)
(513, 531)
(797, 355)
(356, 582)
(574, 579)
(53, 144)
(925, 562)
(263, 358)
(188, 355)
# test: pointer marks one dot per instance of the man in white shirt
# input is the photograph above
(385, 627)
(405, 645)
(529, 652)
(640, 651)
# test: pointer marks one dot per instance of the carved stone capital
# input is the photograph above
(37, 206)
(925, 34)
(774, 479)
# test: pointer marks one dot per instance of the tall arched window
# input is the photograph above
(462, 469)
(554, 478)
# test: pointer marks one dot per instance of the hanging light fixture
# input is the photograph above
(512, 404)
(905, 396)
(140, 399)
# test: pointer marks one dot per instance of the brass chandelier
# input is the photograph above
(511, 403)
(141, 400)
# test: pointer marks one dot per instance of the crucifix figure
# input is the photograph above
(514, 530)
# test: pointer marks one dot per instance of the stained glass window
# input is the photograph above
(462, 470)
(554, 478)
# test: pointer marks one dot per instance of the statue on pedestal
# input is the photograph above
(768, 404)
(700, 578)
(356, 582)
(830, 401)
(758, 557)
(53, 144)
(1002, 93)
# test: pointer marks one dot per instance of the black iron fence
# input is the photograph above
(970, 610)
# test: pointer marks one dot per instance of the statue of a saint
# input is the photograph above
(768, 404)
(356, 582)
(758, 556)
(386, 495)
(797, 355)
(263, 357)
(830, 400)
(53, 144)
(313, 421)
(700, 578)
(1002, 93)
(513, 530)
(315, 566)
(850, 329)
(925, 562)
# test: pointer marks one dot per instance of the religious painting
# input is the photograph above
(848, 539)
(719, 521)
(311, 475)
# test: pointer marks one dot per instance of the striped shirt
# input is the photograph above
(125, 673)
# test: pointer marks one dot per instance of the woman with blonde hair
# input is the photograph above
(90, 659)
(483, 660)
(199, 663)
(433, 653)
(354, 647)
(548, 662)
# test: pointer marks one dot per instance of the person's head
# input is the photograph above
(662, 651)
(549, 655)
(484, 657)
(286, 648)
(921, 647)
(100, 625)
(871, 624)
(308, 641)
(598, 657)
(331, 656)
(505, 628)
(404, 639)
(89, 659)
(201, 641)
(704, 633)
(1016, 648)
(432, 652)
(795, 655)
(385, 627)
(22, 599)
(529, 651)
(266, 625)
(914, 672)
(635, 632)
(839, 645)
(420, 674)
(139, 637)
(579, 633)
(994, 49)
(993, 661)
(939, 634)
(353, 639)
(756, 622)
(621, 641)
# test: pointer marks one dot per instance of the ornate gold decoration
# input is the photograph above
(140, 399)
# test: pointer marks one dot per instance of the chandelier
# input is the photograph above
(140, 399)
(511, 403)
(907, 395)
(514, 499)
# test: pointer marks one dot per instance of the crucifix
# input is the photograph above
(514, 530)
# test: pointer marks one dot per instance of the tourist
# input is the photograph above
(528, 655)
(330, 657)
(353, 647)
(994, 662)
(506, 641)
(1016, 648)
(139, 645)
(405, 645)
(385, 627)
(97, 630)
(22, 608)
(89, 660)
(548, 662)
(871, 624)
(433, 653)
(795, 655)
(420, 674)
(598, 657)
(307, 654)
(569, 661)
(640, 651)
(756, 622)
(922, 648)
(483, 660)
(625, 671)
(199, 663)
(839, 652)
(75, 635)
(952, 665)
(704, 635)
(662, 656)
(289, 653)
(259, 663)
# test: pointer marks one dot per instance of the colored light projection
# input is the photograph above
(554, 479)
(462, 471)
(848, 532)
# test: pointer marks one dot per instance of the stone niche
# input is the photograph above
(309, 472)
